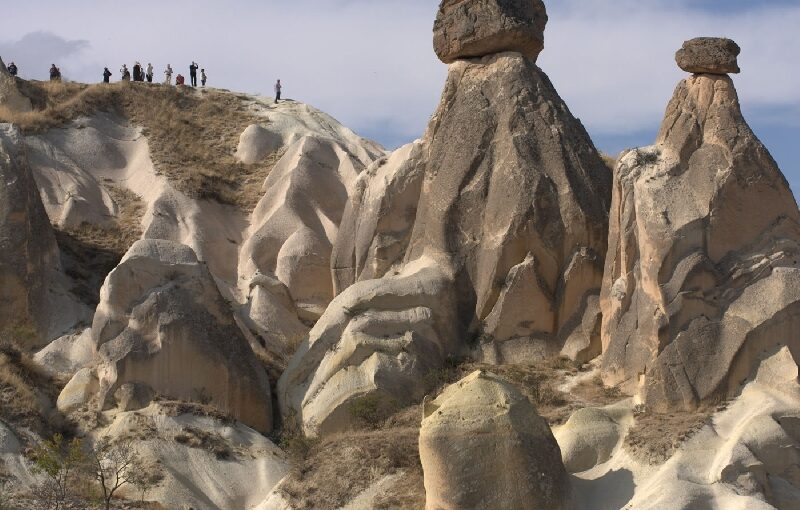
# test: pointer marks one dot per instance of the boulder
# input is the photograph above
(10, 96)
(701, 274)
(476, 28)
(712, 55)
(28, 252)
(133, 396)
(591, 435)
(162, 322)
(482, 445)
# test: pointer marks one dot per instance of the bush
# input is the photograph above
(372, 410)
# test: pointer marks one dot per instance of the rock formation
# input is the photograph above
(475, 28)
(10, 96)
(162, 322)
(710, 55)
(701, 274)
(510, 226)
(482, 445)
(28, 252)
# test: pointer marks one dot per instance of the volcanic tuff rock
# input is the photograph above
(162, 322)
(482, 445)
(28, 251)
(510, 225)
(711, 55)
(10, 96)
(476, 28)
(702, 271)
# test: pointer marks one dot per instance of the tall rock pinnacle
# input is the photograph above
(702, 275)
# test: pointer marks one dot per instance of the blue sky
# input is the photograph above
(370, 62)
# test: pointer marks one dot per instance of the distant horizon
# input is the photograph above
(384, 81)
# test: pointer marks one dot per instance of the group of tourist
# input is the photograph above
(145, 74)
(142, 74)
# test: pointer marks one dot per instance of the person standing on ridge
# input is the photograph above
(106, 75)
(149, 73)
(12, 69)
(55, 73)
(137, 72)
(168, 74)
(278, 88)
(193, 73)
(126, 74)
(203, 77)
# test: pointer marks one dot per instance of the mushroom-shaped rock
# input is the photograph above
(712, 55)
(476, 28)
(701, 273)
(483, 445)
(162, 322)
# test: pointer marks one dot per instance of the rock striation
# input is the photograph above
(702, 270)
(162, 324)
(10, 96)
(476, 28)
(28, 251)
(490, 232)
(482, 445)
(711, 55)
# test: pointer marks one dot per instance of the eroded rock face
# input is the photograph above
(162, 322)
(476, 28)
(501, 254)
(482, 445)
(702, 270)
(10, 96)
(711, 55)
(515, 203)
(28, 250)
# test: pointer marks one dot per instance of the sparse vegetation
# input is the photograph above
(114, 464)
(609, 160)
(60, 462)
(22, 383)
(338, 468)
(656, 436)
(372, 410)
(209, 441)
(192, 134)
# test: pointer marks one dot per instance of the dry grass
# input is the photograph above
(204, 440)
(192, 134)
(655, 437)
(338, 468)
(23, 386)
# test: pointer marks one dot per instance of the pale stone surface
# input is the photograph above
(591, 435)
(476, 28)
(80, 390)
(66, 355)
(701, 275)
(10, 96)
(378, 218)
(379, 337)
(482, 445)
(713, 55)
(161, 321)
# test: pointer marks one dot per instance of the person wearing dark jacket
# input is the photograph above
(12, 69)
(137, 72)
(193, 73)
(106, 75)
(55, 73)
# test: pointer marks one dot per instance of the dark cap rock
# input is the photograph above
(476, 28)
(712, 55)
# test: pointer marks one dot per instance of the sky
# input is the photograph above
(370, 63)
